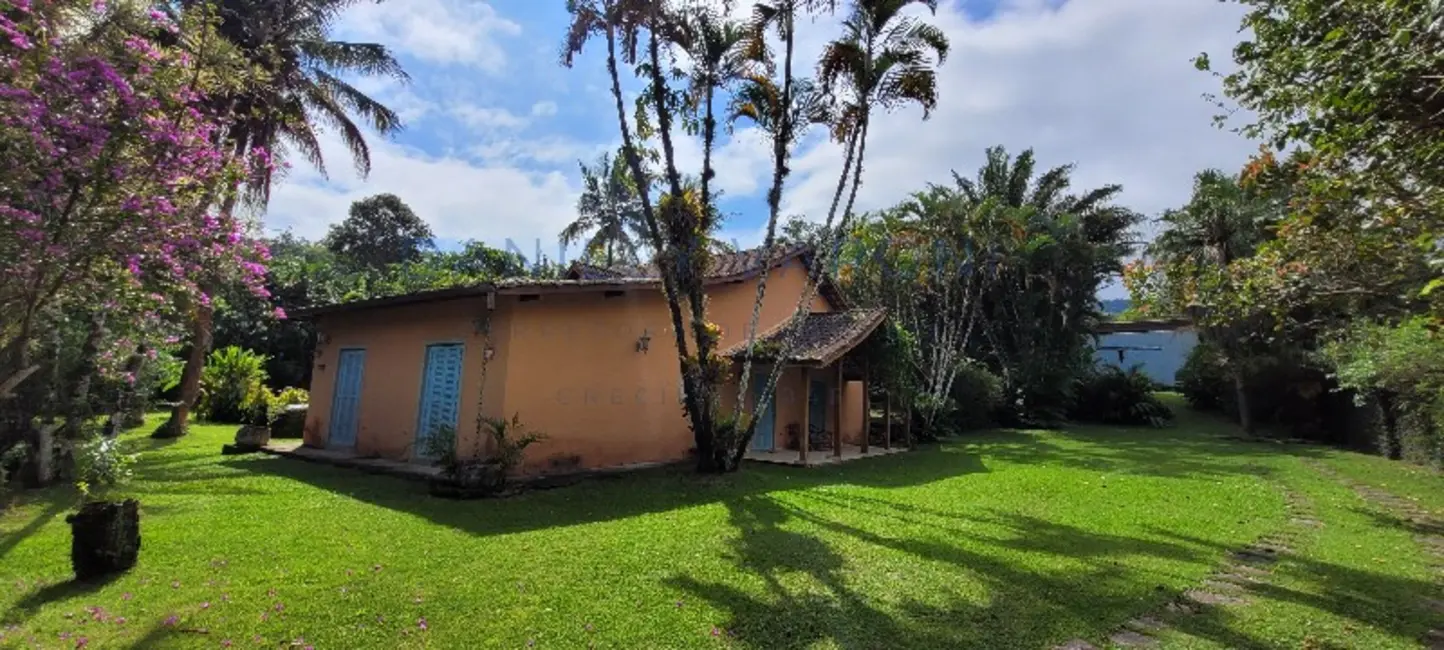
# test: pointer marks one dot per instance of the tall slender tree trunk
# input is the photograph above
(654, 232)
(1240, 393)
(1388, 411)
(202, 321)
(190, 382)
(780, 171)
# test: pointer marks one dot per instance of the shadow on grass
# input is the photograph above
(57, 504)
(32, 603)
(1174, 452)
(1410, 524)
(612, 497)
(1023, 608)
(1395, 605)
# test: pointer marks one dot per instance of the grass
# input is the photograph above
(999, 540)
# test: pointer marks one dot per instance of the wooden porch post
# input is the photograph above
(837, 415)
(866, 413)
(887, 419)
(805, 433)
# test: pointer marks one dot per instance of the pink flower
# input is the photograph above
(171, 620)
(206, 605)
(280, 314)
(421, 623)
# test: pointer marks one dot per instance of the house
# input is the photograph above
(589, 361)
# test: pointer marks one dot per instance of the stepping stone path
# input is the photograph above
(1429, 533)
(1244, 569)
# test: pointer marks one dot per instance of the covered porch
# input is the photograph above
(824, 389)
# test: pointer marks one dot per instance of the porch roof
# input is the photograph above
(824, 338)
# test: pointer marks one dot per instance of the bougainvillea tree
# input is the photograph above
(112, 176)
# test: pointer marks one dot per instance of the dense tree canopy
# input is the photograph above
(379, 231)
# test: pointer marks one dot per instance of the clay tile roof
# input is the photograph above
(823, 339)
(725, 266)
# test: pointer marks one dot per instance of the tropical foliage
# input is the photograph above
(108, 218)
(380, 231)
(609, 215)
(302, 87)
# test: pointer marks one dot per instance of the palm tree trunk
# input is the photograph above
(190, 381)
(856, 173)
(780, 153)
(650, 218)
(202, 320)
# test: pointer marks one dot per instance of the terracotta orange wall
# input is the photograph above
(395, 341)
(565, 363)
(852, 413)
(576, 375)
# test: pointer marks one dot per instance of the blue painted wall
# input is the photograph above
(1160, 365)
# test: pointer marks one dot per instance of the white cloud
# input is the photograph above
(483, 118)
(1105, 84)
(544, 109)
(441, 31)
(460, 199)
(549, 150)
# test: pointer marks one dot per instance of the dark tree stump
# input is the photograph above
(104, 538)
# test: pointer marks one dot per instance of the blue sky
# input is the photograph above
(495, 126)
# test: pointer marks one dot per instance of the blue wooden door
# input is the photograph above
(440, 392)
(762, 437)
(817, 406)
(346, 400)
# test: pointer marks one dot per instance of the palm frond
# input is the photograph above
(370, 59)
(381, 117)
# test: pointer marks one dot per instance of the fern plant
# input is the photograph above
(230, 381)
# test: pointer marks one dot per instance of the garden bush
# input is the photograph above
(231, 384)
(1111, 395)
(976, 396)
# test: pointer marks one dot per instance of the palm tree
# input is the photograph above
(884, 60)
(1043, 309)
(288, 40)
(1011, 181)
(619, 22)
(1222, 222)
(609, 209)
(718, 49)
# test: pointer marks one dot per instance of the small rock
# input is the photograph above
(1076, 644)
(1210, 598)
(1145, 624)
(1131, 639)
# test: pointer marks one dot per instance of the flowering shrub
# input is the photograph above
(113, 173)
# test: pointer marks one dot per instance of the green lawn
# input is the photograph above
(998, 540)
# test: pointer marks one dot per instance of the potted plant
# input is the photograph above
(477, 476)
(259, 414)
(104, 534)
